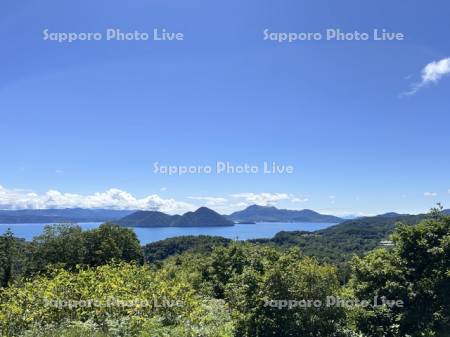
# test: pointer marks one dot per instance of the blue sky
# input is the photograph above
(83, 123)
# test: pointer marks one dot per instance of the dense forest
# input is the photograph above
(335, 282)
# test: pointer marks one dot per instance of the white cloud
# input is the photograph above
(211, 201)
(110, 199)
(262, 199)
(241, 205)
(299, 199)
(431, 73)
(59, 171)
(434, 71)
(430, 194)
(163, 189)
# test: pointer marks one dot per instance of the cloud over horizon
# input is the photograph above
(112, 198)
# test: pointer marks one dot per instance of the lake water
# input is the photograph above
(147, 235)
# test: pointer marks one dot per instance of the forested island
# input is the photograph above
(202, 217)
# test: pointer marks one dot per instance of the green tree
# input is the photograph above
(112, 242)
(69, 246)
(12, 258)
(62, 244)
(417, 272)
(254, 280)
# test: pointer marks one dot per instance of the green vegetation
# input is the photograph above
(118, 300)
(66, 246)
(248, 277)
(161, 250)
(339, 243)
(336, 244)
(72, 283)
(12, 258)
(417, 271)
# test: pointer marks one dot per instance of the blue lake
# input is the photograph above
(147, 235)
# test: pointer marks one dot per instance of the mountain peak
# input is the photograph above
(261, 207)
(204, 210)
(256, 213)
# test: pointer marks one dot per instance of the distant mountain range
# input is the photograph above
(60, 215)
(203, 217)
(257, 213)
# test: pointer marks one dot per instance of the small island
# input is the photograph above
(202, 217)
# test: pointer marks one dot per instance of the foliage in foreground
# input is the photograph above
(66, 246)
(416, 271)
(255, 281)
(126, 300)
(232, 291)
